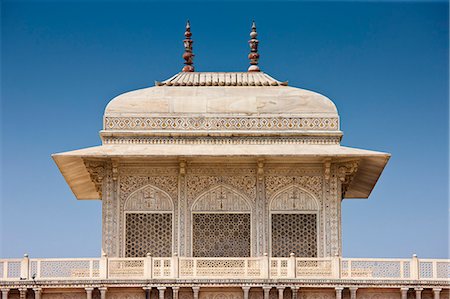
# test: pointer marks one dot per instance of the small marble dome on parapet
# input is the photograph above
(221, 93)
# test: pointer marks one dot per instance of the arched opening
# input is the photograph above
(221, 224)
(293, 221)
(148, 214)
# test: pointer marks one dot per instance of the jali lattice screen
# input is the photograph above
(295, 233)
(221, 235)
(148, 233)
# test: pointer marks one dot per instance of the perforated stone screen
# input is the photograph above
(221, 235)
(295, 233)
(148, 233)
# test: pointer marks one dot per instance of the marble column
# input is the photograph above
(148, 291)
(437, 293)
(23, 293)
(37, 293)
(418, 293)
(353, 293)
(5, 293)
(103, 292)
(294, 292)
(196, 290)
(339, 292)
(175, 291)
(404, 292)
(280, 292)
(246, 290)
(161, 291)
(266, 290)
(89, 293)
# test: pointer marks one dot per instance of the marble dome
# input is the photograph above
(221, 94)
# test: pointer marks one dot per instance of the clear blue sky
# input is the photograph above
(385, 65)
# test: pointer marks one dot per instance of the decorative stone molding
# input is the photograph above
(242, 140)
(202, 123)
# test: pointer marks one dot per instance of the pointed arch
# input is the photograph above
(221, 198)
(293, 198)
(148, 198)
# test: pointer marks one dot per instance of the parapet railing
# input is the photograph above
(264, 267)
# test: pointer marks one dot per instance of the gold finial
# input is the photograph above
(188, 56)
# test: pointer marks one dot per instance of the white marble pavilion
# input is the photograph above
(222, 185)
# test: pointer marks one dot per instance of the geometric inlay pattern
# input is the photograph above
(221, 235)
(148, 233)
(221, 123)
(294, 233)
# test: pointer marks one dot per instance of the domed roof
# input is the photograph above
(220, 94)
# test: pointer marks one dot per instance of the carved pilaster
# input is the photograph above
(182, 208)
(339, 292)
(266, 290)
(353, 293)
(109, 212)
(331, 214)
(261, 229)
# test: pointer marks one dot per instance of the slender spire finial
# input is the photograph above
(253, 55)
(188, 56)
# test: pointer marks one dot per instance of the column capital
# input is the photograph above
(418, 289)
(353, 288)
(175, 288)
(267, 287)
(196, 288)
(437, 289)
(246, 288)
(89, 289)
(280, 288)
(5, 290)
(295, 288)
(404, 289)
(161, 288)
(103, 289)
(339, 288)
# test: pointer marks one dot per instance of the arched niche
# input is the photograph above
(221, 199)
(293, 198)
(148, 198)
